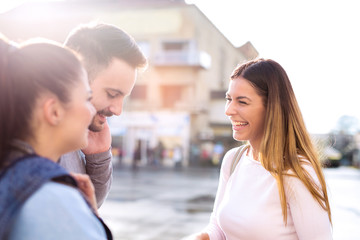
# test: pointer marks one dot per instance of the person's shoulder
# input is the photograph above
(73, 162)
(306, 166)
(292, 181)
(229, 155)
(57, 211)
(54, 201)
(70, 155)
(228, 160)
(52, 193)
(232, 152)
(57, 201)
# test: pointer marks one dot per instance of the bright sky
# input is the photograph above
(6, 5)
(316, 41)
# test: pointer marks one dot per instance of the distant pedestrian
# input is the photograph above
(177, 157)
(136, 156)
(194, 154)
(158, 153)
(273, 187)
(217, 153)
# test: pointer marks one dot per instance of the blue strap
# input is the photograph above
(20, 180)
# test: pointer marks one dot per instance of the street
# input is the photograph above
(344, 194)
(165, 204)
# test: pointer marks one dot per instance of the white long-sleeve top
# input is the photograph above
(247, 206)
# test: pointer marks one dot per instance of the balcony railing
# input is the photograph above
(183, 58)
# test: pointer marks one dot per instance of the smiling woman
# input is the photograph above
(273, 187)
(246, 111)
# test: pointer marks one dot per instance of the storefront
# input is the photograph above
(144, 132)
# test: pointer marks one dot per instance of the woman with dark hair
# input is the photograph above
(45, 111)
(273, 186)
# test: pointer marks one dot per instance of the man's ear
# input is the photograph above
(53, 111)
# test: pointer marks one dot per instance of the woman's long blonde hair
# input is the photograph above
(285, 137)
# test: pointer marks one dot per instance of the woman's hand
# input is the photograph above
(199, 236)
(87, 188)
(202, 236)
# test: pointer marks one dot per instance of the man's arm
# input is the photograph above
(99, 168)
(98, 162)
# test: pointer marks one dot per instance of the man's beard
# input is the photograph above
(97, 126)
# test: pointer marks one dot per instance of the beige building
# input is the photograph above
(179, 99)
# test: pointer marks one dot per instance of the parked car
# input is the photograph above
(331, 157)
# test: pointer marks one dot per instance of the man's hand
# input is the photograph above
(98, 141)
(87, 188)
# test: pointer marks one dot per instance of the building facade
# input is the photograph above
(178, 102)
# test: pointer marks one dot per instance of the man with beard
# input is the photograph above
(111, 58)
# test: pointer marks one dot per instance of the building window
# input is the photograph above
(217, 94)
(170, 95)
(139, 92)
(222, 68)
(144, 47)
(175, 46)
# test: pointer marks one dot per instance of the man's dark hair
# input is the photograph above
(98, 44)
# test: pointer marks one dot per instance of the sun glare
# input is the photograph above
(8, 5)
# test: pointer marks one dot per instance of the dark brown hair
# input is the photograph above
(286, 144)
(25, 73)
(99, 44)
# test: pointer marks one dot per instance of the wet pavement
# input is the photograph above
(159, 204)
(168, 204)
